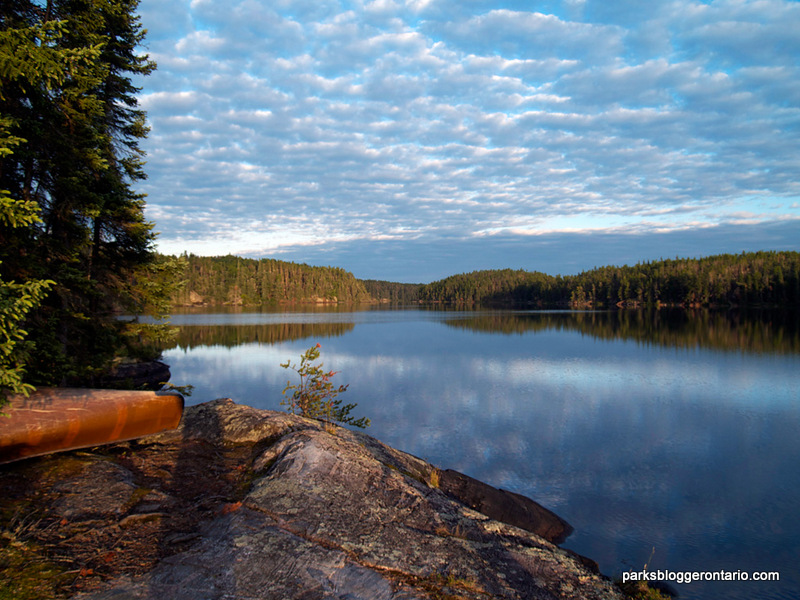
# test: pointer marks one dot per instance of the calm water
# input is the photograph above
(668, 434)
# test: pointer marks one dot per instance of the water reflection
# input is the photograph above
(640, 430)
(774, 331)
(230, 336)
(754, 331)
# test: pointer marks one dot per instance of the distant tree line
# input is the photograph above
(503, 286)
(747, 279)
(237, 281)
(392, 292)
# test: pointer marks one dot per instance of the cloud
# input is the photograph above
(523, 34)
(280, 126)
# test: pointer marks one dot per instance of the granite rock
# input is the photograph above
(250, 504)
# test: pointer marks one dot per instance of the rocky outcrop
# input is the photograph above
(505, 506)
(252, 504)
(136, 375)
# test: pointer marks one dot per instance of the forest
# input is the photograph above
(754, 279)
(74, 243)
(392, 292)
(237, 281)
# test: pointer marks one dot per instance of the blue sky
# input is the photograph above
(409, 140)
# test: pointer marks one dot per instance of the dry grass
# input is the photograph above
(434, 478)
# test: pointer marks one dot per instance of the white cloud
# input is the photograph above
(371, 120)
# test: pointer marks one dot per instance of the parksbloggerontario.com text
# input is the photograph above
(690, 576)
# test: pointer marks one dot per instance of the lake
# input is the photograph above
(665, 437)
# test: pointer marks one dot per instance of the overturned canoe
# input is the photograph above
(56, 419)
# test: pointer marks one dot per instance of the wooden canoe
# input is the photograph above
(57, 419)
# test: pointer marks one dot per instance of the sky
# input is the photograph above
(409, 140)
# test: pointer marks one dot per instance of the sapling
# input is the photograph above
(316, 396)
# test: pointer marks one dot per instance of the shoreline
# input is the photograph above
(262, 504)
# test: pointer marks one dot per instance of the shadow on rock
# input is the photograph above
(247, 503)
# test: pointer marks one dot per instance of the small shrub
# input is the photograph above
(434, 480)
(640, 590)
(316, 396)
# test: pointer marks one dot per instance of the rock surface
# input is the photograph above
(505, 506)
(136, 375)
(251, 504)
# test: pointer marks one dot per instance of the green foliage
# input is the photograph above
(641, 590)
(70, 130)
(237, 281)
(17, 213)
(316, 396)
(32, 53)
(26, 571)
(13, 212)
(504, 286)
(149, 293)
(391, 292)
(16, 301)
(747, 279)
(155, 283)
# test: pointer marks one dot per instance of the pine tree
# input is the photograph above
(68, 99)
(28, 61)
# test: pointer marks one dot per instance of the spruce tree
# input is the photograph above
(67, 96)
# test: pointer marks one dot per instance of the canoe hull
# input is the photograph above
(58, 419)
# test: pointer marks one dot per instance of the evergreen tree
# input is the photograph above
(28, 61)
(68, 100)
(16, 299)
(748, 279)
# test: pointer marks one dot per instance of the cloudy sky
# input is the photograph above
(409, 140)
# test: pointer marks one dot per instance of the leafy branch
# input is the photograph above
(316, 396)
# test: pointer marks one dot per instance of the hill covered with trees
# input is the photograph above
(392, 292)
(233, 280)
(747, 279)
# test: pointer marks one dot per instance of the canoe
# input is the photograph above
(58, 419)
